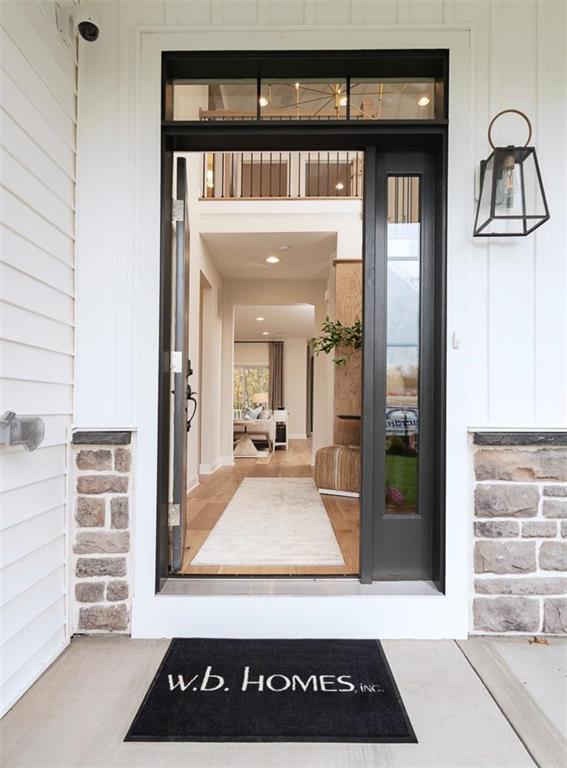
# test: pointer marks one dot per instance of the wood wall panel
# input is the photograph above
(348, 378)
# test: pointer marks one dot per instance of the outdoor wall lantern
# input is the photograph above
(512, 200)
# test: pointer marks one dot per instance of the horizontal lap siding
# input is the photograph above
(37, 312)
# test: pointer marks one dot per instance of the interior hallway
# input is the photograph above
(208, 501)
(78, 712)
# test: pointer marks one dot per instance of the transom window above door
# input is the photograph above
(355, 86)
(362, 99)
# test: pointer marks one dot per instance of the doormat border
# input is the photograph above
(411, 737)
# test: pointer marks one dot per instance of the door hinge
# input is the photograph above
(174, 515)
(176, 362)
(177, 210)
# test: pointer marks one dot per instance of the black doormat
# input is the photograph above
(273, 690)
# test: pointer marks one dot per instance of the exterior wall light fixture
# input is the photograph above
(512, 199)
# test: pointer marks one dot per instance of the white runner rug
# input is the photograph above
(272, 521)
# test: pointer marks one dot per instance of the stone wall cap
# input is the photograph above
(102, 437)
(520, 438)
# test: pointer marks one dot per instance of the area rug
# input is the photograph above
(272, 521)
(273, 690)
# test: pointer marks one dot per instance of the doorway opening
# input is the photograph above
(273, 469)
(388, 433)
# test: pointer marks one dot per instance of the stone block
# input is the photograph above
(555, 490)
(102, 484)
(564, 529)
(99, 459)
(506, 500)
(532, 439)
(497, 529)
(119, 512)
(553, 556)
(122, 459)
(521, 464)
(531, 585)
(106, 542)
(100, 566)
(504, 557)
(117, 590)
(506, 614)
(555, 616)
(102, 437)
(107, 618)
(555, 508)
(89, 513)
(89, 591)
(534, 529)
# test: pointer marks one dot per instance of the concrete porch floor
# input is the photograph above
(79, 710)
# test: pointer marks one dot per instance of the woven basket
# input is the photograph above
(337, 468)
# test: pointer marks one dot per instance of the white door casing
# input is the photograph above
(385, 611)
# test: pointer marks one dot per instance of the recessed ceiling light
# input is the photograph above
(259, 319)
(340, 185)
(263, 101)
(272, 259)
(343, 101)
(265, 333)
(423, 101)
(283, 247)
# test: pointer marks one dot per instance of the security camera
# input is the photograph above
(87, 25)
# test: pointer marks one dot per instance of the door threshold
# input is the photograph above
(296, 586)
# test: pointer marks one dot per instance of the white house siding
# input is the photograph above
(38, 72)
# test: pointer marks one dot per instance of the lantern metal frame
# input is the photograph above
(520, 154)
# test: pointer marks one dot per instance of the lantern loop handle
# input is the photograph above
(505, 112)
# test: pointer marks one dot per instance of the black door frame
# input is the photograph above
(417, 136)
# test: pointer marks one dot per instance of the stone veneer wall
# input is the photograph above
(520, 531)
(102, 522)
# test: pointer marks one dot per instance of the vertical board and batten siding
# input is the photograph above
(37, 213)
(517, 329)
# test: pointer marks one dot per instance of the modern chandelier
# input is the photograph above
(335, 100)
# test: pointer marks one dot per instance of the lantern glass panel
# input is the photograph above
(511, 200)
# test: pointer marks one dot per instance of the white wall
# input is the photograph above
(251, 354)
(37, 322)
(203, 441)
(295, 386)
(516, 311)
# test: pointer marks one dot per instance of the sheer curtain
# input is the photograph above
(276, 349)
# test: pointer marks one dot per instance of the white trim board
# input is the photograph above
(192, 483)
(331, 492)
(366, 616)
(210, 469)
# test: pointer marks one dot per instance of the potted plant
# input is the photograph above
(335, 335)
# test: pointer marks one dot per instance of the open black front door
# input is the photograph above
(403, 382)
(174, 369)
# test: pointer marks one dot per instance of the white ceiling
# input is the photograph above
(295, 321)
(242, 255)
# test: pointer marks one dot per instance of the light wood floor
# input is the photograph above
(209, 500)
